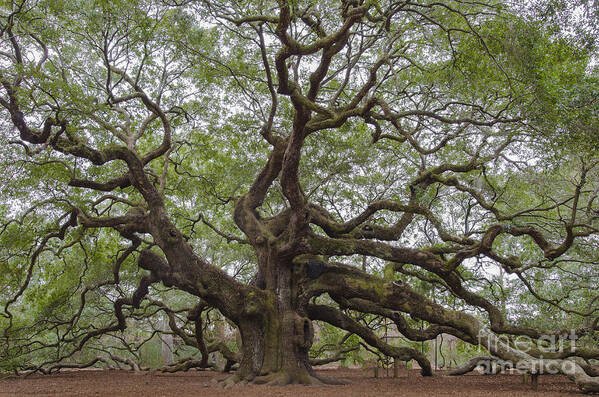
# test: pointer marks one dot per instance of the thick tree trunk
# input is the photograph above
(278, 335)
(275, 349)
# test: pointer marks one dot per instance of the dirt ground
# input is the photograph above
(198, 383)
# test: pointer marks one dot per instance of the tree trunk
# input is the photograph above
(275, 349)
(278, 335)
(167, 342)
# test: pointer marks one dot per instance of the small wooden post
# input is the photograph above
(525, 378)
(534, 378)
(395, 368)
(376, 369)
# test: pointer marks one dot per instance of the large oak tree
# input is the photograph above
(291, 161)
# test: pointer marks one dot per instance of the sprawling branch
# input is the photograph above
(340, 320)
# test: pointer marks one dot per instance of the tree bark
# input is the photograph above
(167, 342)
(277, 334)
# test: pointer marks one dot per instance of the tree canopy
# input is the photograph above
(279, 163)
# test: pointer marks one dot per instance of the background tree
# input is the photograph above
(292, 161)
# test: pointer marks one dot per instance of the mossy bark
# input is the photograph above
(277, 334)
(275, 349)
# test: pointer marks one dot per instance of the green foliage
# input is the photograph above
(485, 61)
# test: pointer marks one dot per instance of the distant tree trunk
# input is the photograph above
(167, 342)
(433, 343)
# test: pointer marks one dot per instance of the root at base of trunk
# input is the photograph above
(281, 378)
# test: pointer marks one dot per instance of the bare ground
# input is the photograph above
(199, 383)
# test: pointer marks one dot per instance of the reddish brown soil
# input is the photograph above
(198, 383)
